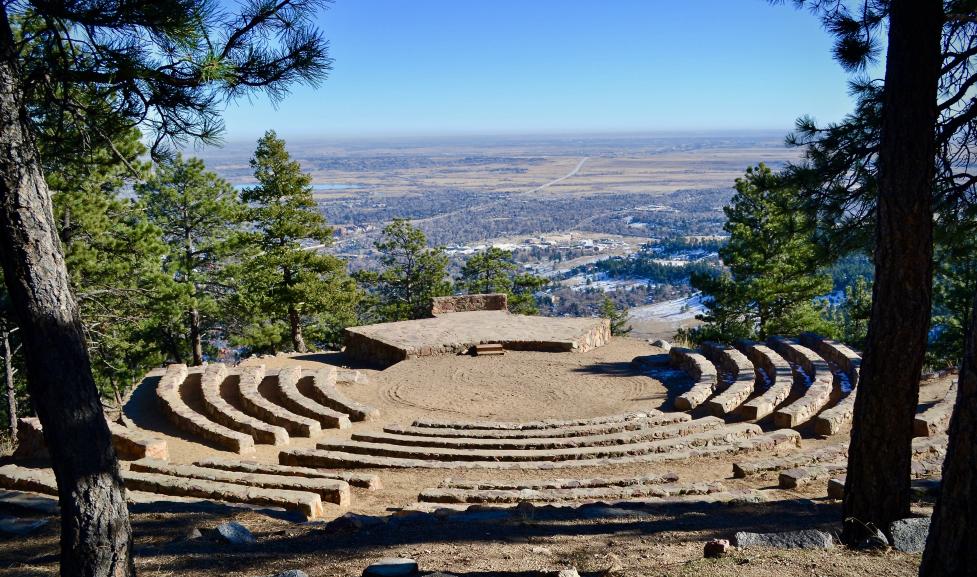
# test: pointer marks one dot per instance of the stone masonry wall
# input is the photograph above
(465, 303)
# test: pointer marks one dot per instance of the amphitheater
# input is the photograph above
(619, 420)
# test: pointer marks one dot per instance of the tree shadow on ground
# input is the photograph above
(339, 359)
(655, 367)
(370, 536)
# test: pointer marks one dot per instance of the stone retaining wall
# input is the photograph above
(465, 303)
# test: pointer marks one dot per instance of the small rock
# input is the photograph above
(292, 573)
(568, 573)
(540, 550)
(392, 567)
(716, 548)
(805, 539)
(20, 527)
(662, 344)
(909, 535)
(233, 533)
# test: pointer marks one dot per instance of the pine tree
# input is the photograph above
(412, 274)
(197, 213)
(286, 279)
(618, 317)
(773, 266)
(494, 270)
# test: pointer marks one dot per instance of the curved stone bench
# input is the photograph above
(721, 435)
(258, 406)
(307, 503)
(329, 490)
(539, 443)
(654, 418)
(637, 491)
(219, 410)
(320, 458)
(935, 420)
(321, 387)
(815, 371)
(772, 369)
(530, 425)
(742, 379)
(848, 363)
(170, 394)
(560, 483)
(360, 480)
(291, 399)
(699, 368)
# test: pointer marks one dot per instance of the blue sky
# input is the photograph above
(417, 67)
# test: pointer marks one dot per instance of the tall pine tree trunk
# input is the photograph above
(8, 379)
(950, 547)
(877, 485)
(96, 538)
(295, 324)
(196, 342)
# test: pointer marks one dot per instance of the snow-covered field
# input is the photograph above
(673, 310)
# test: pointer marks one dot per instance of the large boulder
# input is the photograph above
(909, 535)
(804, 539)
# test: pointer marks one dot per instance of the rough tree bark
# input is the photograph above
(295, 322)
(950, 547)
(877, 485)
(96, 537)
(8, 379)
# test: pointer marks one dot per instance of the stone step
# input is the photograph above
(262, 408)
(317, 458)
(836, 419)
(559, 483)
(626, 437)
(653, 419)
(329, 490)
(361, 480)
(294, 401)
(321, 388)
(489, 349)
(170, 393)
(830, 453)
(530, 425)
(725, 434)
(451, 495)
(219, 410)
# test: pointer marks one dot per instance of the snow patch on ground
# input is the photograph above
(674, 310)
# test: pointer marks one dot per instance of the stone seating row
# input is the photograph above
(367, 481)
(936, 419)
(539, 443)
(170, 393)
(716, 435)
(661, 451)
(810, 369)
(661, 479)
(308, 504)
(741, 377)
(234, 410)
(743, 469)
(453, 495)
(776, 374)
(651, 419)
(701, 370)
(129, 444)
(529, 425)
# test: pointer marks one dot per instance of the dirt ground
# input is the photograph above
(518, 386)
